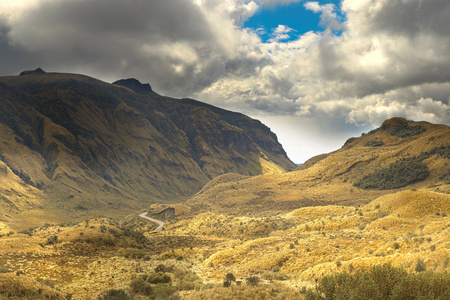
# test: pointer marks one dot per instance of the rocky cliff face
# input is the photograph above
(86, 144)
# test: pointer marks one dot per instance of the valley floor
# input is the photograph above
(268, 257)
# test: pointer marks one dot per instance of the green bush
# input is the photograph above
(420, 266)
(188, 281)
(405, 130)
(164, 268)
(230, 277)
(141, 287)
(52, 240)
(275, 276)
(158, 278)
(4, 270)
(399, 174)
(382, 282)
(164, 291)
(115, 295)
(445, 177)
(253, 280)
(374, 143)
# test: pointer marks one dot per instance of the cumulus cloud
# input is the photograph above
(328, 17)
(280, 33)
(390, 57)
(178, 46)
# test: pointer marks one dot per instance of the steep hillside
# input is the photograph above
(400, 154)
(92, 147)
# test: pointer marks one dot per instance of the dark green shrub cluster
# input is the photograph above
(271, 275)
(420, 266)
(253, 280)
(229, 278)
(374, 143)
(141, 287)
(157, 277)
(443, 151)
(115, 295)
(164, 268)
(187, 280)
(4, 270)
(403, 172)
(405, 130)
(52, 240)
(158, 285)
(382, 282)
(399, 174)
(445, 177)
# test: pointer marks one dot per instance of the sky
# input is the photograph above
(315, 72)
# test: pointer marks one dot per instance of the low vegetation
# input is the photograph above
(382, 282)
(403, 172)
(405, 130)
(399, 174)
(374, 143)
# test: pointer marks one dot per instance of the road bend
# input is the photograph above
(160, 223)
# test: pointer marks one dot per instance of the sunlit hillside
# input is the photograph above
(382, 200)
(333, 179)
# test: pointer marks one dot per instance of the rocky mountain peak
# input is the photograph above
(38, 71)
(134, 85)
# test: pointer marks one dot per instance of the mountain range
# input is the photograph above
(83, 162)
(78, 145)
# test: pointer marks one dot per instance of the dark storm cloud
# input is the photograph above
(391, 58)
(168, 19)
(411, 18)
(169, 43)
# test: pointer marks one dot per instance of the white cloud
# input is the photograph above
(328, 17)
(280, 33)
(392, 58)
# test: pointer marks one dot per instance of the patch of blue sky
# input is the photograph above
(295, 18)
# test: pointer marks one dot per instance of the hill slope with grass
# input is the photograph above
(80, 146)
(399, 155)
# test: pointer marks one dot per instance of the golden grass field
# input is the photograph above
(287, 229)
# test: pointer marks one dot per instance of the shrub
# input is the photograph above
(4, 270)
(420, 266)
(445, 177)
(230, 277)
(253, 280)
(427, 285)
(405, 130)
(158, 278)
(382, 282)
(163, 268)
(374, 143)
(399, 174)
(275, 276)
(52, 240)
(115, 295)
(187, 280)
(140, 286)
(163, 291)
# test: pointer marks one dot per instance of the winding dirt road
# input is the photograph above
(160, 223)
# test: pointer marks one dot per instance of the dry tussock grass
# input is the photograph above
(328, 180)
(14, 286)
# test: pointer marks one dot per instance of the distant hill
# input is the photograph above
(399, 155)
(78, 145)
